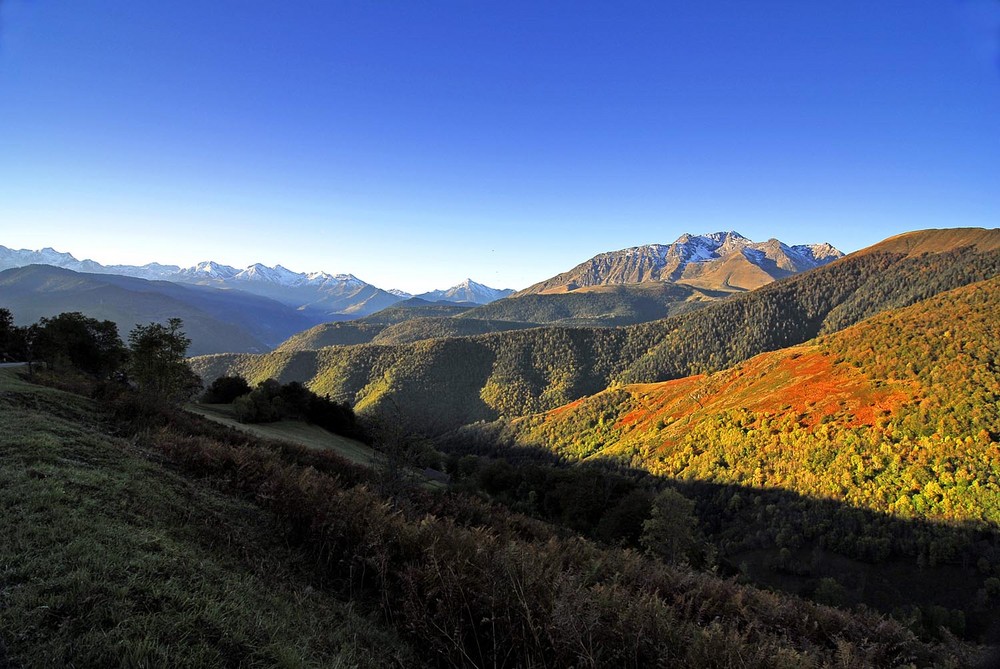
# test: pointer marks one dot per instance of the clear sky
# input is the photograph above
(417, 143)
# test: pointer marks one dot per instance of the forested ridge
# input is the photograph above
(602, 306)
(448, 382)
(413, 320)
(868, 455)
(899, 414)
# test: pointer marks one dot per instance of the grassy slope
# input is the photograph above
(899, 414)
(294, 431)
(938, 240)
(107, 558)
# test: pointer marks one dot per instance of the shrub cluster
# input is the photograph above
(490, 595)
(272, 401)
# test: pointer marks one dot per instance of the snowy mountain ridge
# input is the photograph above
(340, 293)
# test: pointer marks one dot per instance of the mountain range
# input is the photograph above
(720, 261)
(455, 381)
(725, 261)
(215, 320)
(619, 291)
(837, 429)
(322, 295)
(619, 288)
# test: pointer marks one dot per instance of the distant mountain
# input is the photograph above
(725, 261)
(467, 291)
(444, 383)
(208, 270)
(321, 294)
(324, 296)
(215, 320)
(10, 258)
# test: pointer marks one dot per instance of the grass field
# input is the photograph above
(303, 434)
(296, 432)
(109, 558)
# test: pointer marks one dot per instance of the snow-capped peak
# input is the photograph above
(467, 291)
(210, 269)
(708, 246)
(349, 279)
(49, 256)
(277, 275)
(325, 279)
(819, 252)
(724, 237)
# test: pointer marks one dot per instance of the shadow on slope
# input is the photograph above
(930, 575)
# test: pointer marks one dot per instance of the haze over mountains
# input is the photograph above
(215, 320)
(321, 294)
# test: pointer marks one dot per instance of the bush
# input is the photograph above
(256, 408)
(225, 389)
(272, 401)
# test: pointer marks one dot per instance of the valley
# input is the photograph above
(826, 439)
(500, 335)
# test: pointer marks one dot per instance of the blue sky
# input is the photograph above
(417, 143)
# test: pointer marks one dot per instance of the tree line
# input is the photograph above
(153, 360)
(272, 401)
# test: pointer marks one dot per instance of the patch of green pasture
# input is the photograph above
(293, 431)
